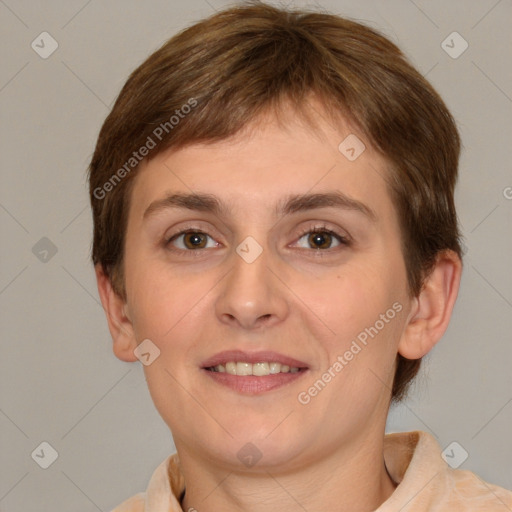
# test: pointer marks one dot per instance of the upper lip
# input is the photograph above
(251, 357)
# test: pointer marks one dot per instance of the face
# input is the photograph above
(267, 270)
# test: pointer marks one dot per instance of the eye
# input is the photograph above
(320, 238)
(192, 240)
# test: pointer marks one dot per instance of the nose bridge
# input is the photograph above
(250, 295)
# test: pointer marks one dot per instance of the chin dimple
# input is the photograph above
(257, 369)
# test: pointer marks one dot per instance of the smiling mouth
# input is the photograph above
(253, 373)
(260, 369)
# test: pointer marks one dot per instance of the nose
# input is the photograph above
(251, 296)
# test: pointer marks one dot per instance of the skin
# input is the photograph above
(295, 299)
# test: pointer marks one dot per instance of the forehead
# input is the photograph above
(266, 162)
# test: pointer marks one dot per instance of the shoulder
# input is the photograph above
(427, 482)
(163, 490)
(469, 489)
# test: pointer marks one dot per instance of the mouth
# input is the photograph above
(257, 369)
(253, 373)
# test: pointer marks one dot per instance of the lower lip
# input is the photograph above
(253, 385)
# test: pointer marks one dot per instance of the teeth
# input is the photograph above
(257, 369)
(274, 368)
(243, 368)
(260, 369)
(230, 368)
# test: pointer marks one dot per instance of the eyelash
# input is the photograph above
(342, 239)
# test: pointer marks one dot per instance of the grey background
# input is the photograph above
(59, 381)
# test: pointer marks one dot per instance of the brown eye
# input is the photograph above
(320, 240)
(191, 240)
(195, 240)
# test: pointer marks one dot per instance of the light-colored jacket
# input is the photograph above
(413, 459)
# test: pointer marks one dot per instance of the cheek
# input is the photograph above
(361, 355)
(351, 298)
(174, 310)
(159, 298)
(363, 305)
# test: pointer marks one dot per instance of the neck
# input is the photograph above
(351, 479)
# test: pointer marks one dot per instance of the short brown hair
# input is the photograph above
(248, 59)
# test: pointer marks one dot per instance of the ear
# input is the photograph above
(432, 309)
(119, 324)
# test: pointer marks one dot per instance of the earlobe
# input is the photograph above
(119, 323)
(432, 309)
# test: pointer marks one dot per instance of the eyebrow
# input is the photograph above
(291, 204)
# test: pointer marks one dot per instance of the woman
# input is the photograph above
(275, 239)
